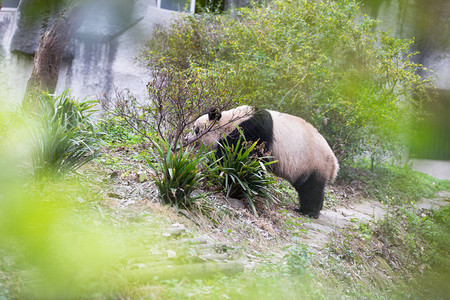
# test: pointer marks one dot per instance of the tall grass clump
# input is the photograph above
(321, 60)
(63, 135)
(54, 242)
(178, 173)
(240, 173)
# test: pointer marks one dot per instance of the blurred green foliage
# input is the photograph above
(424, 239)
(431, 139)
(393, 184)
(322, 60)
(51, 251)
(55, 252)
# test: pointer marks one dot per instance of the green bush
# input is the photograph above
(63, 136)
(321, 60)
(177, 173)
(240, 173)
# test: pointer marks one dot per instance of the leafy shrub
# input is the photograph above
(63, 135)
(187, 41)
(240, 173)
(177, 99)
(322, 60)
(177, 173)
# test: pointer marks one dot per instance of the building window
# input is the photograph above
(177, 5)
(10, 3)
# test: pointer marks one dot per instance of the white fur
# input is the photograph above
(298, 146)
(225, 125)
(300, 149)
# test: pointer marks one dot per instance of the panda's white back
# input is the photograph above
(300, 148)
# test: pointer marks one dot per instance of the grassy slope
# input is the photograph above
(108, 223)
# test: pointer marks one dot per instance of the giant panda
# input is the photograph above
(303, 156)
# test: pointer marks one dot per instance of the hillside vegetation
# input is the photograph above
(121, 209)
(105, 234)
(321, 60)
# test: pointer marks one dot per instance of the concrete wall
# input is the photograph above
(99, 59)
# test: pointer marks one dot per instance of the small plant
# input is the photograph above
(240, 173)
(116, 132)
(63, 135)
(296, 258)
(177, 173)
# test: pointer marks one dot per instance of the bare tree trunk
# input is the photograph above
(49, 53)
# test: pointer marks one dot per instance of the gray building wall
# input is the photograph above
(99, 59)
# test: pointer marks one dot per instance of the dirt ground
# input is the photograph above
(230, 222)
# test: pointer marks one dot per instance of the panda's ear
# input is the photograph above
(214, 114)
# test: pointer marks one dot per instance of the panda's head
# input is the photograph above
(210, 128)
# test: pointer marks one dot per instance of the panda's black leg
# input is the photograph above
(311, 195)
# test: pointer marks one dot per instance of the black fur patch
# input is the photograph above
(258, 128)
(214, 114)
(310, 190)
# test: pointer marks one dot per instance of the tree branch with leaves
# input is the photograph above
(176, 100)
